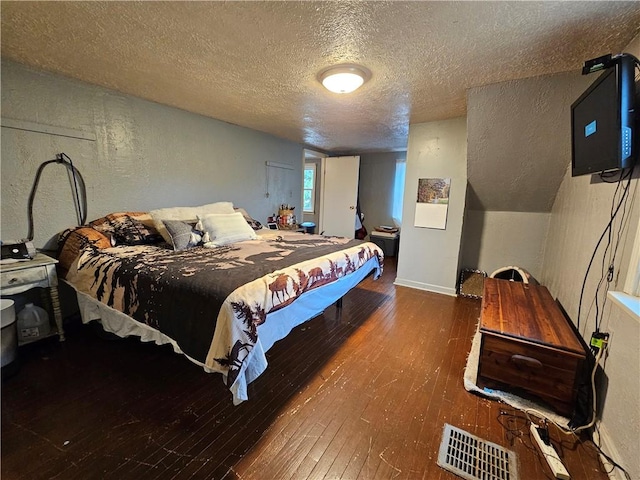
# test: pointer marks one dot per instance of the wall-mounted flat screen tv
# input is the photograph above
(603, 122)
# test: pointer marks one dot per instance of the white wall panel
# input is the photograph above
(580, 213)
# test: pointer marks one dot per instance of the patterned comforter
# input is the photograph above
(211, 301)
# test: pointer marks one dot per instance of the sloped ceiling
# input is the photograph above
(255, 64)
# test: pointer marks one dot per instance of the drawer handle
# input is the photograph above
(521, 360)
(14, 280)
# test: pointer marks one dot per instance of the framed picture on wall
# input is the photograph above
(432, 203)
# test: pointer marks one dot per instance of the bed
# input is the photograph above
(220, 292)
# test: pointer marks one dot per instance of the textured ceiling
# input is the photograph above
(255, 63)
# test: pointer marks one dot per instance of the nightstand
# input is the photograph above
(19, 277)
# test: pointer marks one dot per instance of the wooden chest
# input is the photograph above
(528, 344)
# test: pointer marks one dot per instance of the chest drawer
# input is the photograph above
(546, 372)
(20, 277)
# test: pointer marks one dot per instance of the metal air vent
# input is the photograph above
(472, 458)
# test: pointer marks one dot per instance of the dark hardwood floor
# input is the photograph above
(361, 393)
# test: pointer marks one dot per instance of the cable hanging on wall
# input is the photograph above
(80, 193)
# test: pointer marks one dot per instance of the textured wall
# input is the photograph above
(580, 213)
(520, 141)
(579, 216)
(145, 156)
(377, 174)
(497, 239)
(428, 258)
(519, 144)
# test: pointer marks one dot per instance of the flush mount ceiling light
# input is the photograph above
(344, 78)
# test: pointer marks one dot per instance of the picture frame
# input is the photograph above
(471, 283)
(432, 203)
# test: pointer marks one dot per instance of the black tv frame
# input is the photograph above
(621, 148)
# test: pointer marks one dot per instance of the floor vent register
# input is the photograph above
(472, 458)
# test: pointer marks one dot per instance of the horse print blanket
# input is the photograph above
(211, 301)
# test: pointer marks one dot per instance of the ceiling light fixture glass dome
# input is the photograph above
(344, 78)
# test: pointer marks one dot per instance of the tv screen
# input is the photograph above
(603, 122)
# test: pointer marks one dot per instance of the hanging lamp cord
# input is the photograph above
(78, 183)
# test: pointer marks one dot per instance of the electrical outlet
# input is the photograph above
(598, 341)
(543, 433)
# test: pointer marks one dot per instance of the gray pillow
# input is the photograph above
(182, 234)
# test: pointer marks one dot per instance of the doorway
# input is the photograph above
(335, 192)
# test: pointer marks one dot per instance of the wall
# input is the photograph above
(377, 174)
(579, 216)
(580, 213)
(498, 239)
(519, 142)
(428, 258)
(144, 156)
(519, 135)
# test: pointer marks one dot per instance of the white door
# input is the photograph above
(339, 195)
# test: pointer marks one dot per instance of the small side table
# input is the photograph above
(19, 277)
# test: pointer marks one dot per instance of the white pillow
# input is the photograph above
(186, 214)
(223, 229)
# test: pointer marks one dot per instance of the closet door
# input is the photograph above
(339, 195)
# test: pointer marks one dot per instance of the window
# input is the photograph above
(632, 285)
(627, 298)
(309, 188)
(398, 191)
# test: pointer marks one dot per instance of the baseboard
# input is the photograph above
(425, 286)
(609, 448)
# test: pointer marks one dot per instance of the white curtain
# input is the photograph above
(398, 191)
